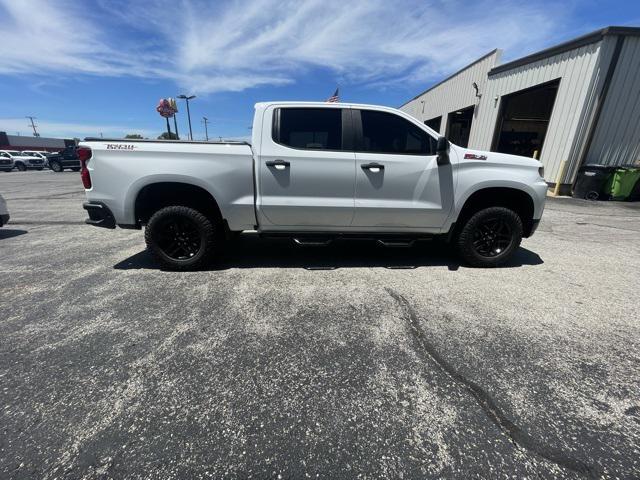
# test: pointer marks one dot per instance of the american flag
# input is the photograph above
(334, 98)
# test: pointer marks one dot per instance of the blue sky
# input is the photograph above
(89, 67)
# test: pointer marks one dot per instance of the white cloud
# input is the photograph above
(70, 130)
(212, 46)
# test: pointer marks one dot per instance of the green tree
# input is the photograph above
(133, 135)
(167, 136)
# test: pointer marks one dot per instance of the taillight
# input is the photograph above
(84, 155)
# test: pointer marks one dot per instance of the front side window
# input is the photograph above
(384, 132)
(309, 128)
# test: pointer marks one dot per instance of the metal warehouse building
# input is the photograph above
(572, 104)
(25, 142)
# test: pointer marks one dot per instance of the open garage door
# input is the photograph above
(434, 123)
(524, 119)
(459, 126)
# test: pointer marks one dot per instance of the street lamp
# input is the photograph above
(205, 120)
(187, 98)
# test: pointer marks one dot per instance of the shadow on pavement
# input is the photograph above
(250, 251)
(9, 233)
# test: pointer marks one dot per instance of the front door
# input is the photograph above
(399, 185)
(306, 172)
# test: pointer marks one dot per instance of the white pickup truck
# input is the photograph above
(314, 172)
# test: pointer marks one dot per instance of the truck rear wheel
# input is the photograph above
(182, 238)
(490, 237)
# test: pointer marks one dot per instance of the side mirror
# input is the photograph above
(442, 150)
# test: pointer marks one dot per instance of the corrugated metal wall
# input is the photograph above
(576, 70)
(454, 93)
(617, 136)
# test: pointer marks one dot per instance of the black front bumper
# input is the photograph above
(99, 215)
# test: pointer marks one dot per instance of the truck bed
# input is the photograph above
(120, 169)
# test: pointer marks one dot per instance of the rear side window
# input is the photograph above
(387, 133)
(309, 128)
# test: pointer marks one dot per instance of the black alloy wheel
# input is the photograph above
(178, 238)
(492, 236)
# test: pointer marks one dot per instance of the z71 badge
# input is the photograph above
(473, 156)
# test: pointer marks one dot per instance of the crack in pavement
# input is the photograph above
(518, 437)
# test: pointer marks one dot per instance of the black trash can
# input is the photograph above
(591, 181)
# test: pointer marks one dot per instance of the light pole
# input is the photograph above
(187, 98)
(175, 124)
(205, 120)
(33, 125)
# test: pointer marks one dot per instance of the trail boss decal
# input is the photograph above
(473, 156)
(119, 146)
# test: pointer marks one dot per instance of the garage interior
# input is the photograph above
(524, 119)
(459, 126)
(434, 123)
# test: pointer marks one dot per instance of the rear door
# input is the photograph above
(399, 185)
(306, 168)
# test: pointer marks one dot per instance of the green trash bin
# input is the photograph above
(622, 183)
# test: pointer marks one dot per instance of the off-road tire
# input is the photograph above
(210, 242)
(469, 241)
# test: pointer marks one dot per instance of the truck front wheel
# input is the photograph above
(182, 238)
(490, 237)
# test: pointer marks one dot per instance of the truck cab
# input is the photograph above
(66, 158)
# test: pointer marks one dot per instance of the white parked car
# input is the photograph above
(6, 162)
(315, 171)
(4, 212)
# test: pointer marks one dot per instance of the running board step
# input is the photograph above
(396, 243)
(313, 242)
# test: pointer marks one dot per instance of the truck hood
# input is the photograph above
(502, 158)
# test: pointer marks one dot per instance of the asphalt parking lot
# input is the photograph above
(347, 361)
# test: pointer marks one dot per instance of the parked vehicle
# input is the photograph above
(25, 162)
(314, 172)
(4, 212)
(6, 162)
(66, 158)
(42, 155)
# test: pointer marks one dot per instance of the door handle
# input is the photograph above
(278, 164)
(372, 167)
